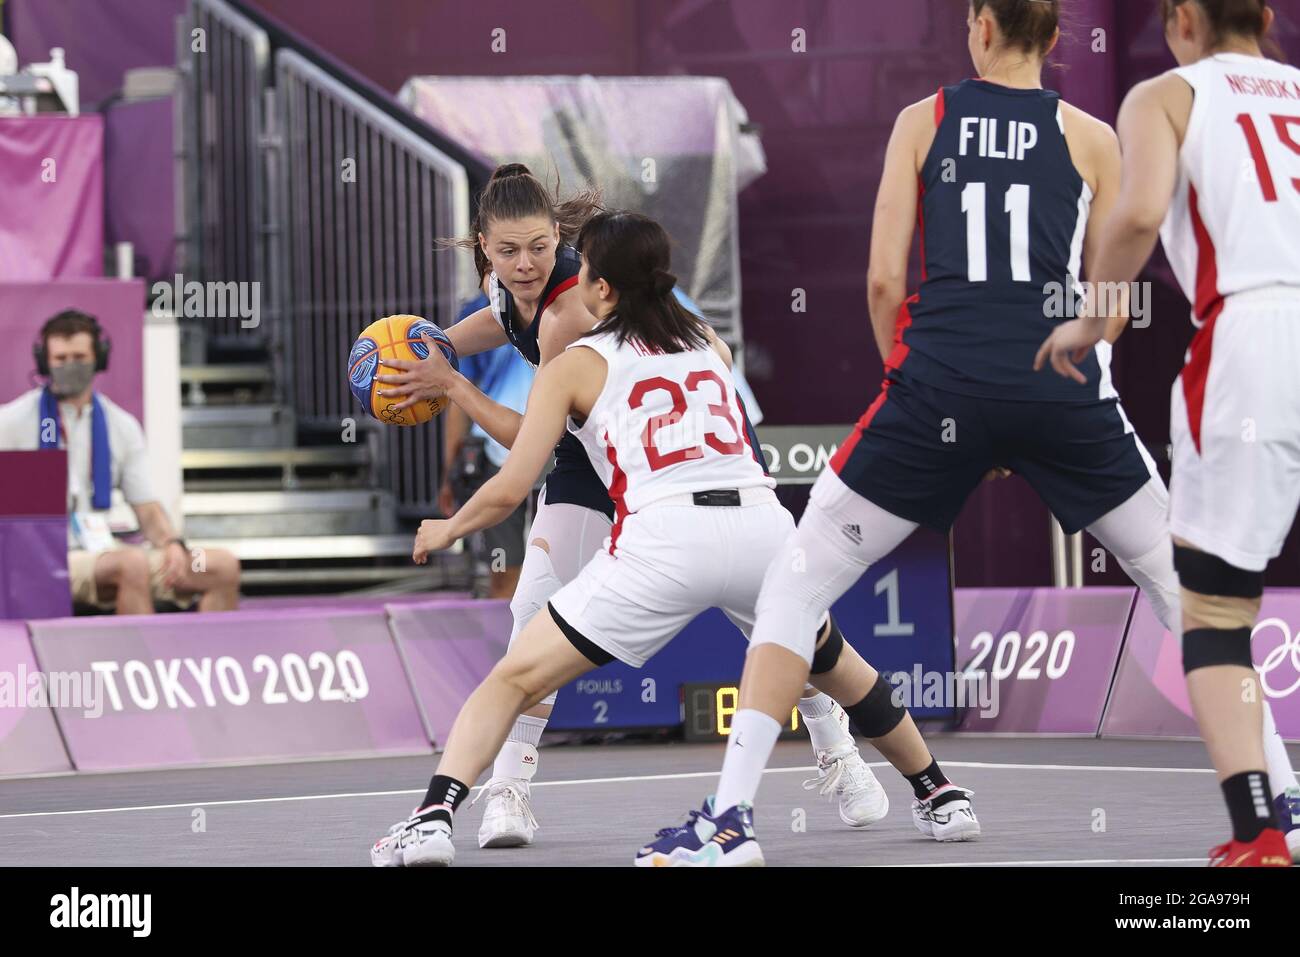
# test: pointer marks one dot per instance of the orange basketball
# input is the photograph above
(394, 337)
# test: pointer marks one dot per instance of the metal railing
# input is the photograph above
(224, 61)
(363, 201)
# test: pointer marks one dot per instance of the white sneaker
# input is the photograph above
(508, 819)
(953, 821)
(843, 774)
(414, 843)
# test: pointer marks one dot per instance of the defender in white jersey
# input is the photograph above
(649, 394)
(1212, 166)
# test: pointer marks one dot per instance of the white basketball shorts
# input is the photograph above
(1235, 425)
(670, 562)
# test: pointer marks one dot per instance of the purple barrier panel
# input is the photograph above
(51, 197)
(117, 304)
(232, 686)
(448, 648)
(34, 567)
(1150, 696)
(1049, 655)
(29, 738)
(34, 535)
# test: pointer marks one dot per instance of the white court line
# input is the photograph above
(1130, 860)
(360, 794)
(618, 780)
(1062, 767)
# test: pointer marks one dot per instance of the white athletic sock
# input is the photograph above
(753, 735)
(818, 706)
(527, 730)
(825, 722)
(518, 756)
(1281, 777)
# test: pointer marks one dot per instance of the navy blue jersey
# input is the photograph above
(564, 276)
(572, 481)
(1002, 218)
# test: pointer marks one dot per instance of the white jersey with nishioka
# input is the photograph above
(1234, 224)
(665, 424)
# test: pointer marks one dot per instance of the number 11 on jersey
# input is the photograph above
(974, 203)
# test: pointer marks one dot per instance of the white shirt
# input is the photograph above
(664, 425)
(20, 428)
(1234, 224)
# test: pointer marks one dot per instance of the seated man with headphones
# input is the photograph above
(106, 451)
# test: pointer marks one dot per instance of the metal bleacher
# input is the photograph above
(280, 465)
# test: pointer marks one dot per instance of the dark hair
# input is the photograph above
(631, 253)
(69, 322)
(1228, 18)
(1027, 25)
(514, 192)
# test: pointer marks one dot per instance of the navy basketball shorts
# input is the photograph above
(918, 452)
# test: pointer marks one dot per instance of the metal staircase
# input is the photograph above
(300, 516)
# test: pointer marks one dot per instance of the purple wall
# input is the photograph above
(51, 197)
(101, 39)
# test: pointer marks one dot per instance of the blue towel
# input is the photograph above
(101, 456)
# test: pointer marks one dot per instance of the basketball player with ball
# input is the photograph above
(522, 242)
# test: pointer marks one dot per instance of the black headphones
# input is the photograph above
(103, 345)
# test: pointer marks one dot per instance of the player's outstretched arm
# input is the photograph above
(549, 404)
(432, 377)
(419, 380)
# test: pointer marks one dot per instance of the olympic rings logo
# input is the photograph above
(1289, 648)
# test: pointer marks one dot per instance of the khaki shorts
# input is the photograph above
(81, 576)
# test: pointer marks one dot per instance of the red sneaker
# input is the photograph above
(1267, 850)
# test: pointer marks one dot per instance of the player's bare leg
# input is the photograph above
(562, 538)
(1219, 606)
(541, 660)
(1136, 533)
(814, 568)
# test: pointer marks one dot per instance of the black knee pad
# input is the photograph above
(1208, 574)
(824, 658)
(1206, 647)
(877, 714)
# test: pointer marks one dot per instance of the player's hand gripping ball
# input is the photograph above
(405, 339)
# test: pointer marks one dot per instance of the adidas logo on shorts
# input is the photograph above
(853, 533)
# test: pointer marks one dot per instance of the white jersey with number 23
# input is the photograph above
(665, 424)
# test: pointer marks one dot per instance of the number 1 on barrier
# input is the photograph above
(893, 628)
